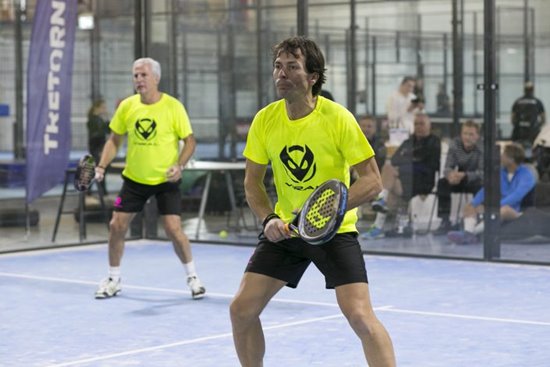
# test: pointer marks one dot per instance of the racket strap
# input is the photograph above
(269, 218)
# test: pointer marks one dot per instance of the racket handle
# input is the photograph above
(292, 230)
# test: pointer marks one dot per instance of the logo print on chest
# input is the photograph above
(146, 129)
(299, 162)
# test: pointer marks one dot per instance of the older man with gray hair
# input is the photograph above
(410, 173)
(154, 124)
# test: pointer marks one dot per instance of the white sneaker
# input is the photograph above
(197, 289)
(108, 288)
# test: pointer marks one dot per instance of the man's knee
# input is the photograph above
(242, 312)
(362, 322)
(118, 224)
(173, 228)
(508, 213)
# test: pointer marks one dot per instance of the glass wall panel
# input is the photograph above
(216, 59)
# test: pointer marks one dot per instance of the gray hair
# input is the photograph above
(155, 66)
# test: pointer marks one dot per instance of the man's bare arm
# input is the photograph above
(367, 186)
(174, 172)
(258, 200)
(108, 154)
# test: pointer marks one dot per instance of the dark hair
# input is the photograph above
(313, 57)
(96, 104)
(515, 152)
(470, 123)
(408, 78)
(529, 87)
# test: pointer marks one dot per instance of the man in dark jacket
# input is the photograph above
(527, 117)
(368, 126)
(463, 171)
(411, 172)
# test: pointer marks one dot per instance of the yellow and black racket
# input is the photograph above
(322, 213)
(85, 173)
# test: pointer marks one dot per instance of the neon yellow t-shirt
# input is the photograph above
(306, 152)
(154, 132)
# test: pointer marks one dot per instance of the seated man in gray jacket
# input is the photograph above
(463, 170)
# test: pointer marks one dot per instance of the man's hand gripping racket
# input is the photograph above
(321, 215)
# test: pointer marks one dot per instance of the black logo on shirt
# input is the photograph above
(146, 129)
(299, 163)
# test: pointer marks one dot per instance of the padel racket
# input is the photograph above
(321, 215)
(85, 173)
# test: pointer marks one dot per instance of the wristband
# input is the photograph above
(268, 218)
(102, 167)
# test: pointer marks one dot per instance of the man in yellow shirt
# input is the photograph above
(308, 139)
(154, 123)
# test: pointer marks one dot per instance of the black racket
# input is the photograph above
(85, 173)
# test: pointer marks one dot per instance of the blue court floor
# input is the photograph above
(438, 312)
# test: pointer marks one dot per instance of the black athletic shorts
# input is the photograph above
(340, 260)
(133, 196)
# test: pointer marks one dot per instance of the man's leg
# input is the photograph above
(470, 217)
(508, 213)
(471, 226)
(110, 286)
(118, 228)
(354, 301)
(444, 200)
(253, 295)
(182, 247)
(180, 241)
(387, 198)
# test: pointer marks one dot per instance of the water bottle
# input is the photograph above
(402, 220)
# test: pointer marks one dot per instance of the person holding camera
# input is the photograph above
(402, 105)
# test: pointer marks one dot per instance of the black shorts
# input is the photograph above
(340, 260)
(133, 196)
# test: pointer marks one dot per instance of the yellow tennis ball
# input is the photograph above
(223, 233)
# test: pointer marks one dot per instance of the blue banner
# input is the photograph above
(49, 90)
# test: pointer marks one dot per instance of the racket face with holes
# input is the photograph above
(85, 173)
(323, 212)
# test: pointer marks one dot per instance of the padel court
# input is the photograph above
(438, 312)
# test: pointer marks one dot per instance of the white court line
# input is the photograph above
(285, 300)
(466, 317)
(161, 290)
(191, 341)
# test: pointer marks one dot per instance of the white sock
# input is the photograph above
(380, 220)
(479, 228)
(190, 269)
(383, 194)
(470, 224)
(114, 273)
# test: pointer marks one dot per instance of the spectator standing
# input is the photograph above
(528, 116)
(401, 105)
